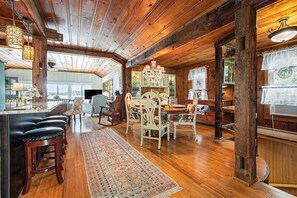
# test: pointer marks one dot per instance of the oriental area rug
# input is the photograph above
(115, 169)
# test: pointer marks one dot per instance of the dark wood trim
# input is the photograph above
(219, 74)
(219, 70)
(245, 95)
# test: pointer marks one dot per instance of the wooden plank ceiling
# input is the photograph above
(128, 27)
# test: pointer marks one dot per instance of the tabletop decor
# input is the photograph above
(115, 169)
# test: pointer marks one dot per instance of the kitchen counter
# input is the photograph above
(38, 107)
(13, 123)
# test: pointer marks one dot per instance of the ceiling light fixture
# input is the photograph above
(14, 34)
(28, 51)
(284, 32)
(153, 73)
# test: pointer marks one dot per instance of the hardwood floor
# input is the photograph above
(202, 169)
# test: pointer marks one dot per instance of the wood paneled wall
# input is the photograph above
(282, 160)
(183, 84)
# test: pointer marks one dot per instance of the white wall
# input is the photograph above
(25, 76)
(116, 77)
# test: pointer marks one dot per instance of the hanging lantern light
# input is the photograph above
(14, 34)
(28, 51)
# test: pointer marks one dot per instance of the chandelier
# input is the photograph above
(153, 73)
(28, 51)
(284, 32)
(14, 34)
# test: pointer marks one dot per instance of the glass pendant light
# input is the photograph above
(14, 34)
(28, 51)
(284, 32)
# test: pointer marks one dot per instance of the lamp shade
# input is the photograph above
(18, 87)
(283, 35)
(28, 53)
(14, 36)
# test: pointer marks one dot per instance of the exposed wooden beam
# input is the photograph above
(39, 67)
(215, 19)
(245, 95)
(28, 9)
(87, 53)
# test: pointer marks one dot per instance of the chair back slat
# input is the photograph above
(150, 104)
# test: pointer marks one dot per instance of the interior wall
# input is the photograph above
(184, 85)
(116, 77)
(25, 75)
(2, 86)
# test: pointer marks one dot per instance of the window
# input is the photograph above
(136, 79)
(198, 76)
(282, 77)
(57, 91)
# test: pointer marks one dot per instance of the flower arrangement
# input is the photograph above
(33, 92)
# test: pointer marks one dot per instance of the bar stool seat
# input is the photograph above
(56, 117)
(54, 123)
(40, 137)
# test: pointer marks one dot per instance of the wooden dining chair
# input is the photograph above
(133, 115)
(152, 118)
(113, 113)
(187, 119)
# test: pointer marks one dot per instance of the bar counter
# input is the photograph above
(13, 123)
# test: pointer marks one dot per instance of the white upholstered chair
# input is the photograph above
(93, 107)
(132, 113)
(150, 105)
(187, 119)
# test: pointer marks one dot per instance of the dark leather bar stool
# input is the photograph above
(40, 137)
(56, 117)
(54, 123)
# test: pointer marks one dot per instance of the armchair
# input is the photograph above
(187, 119)
(94, 106)
(112, 113)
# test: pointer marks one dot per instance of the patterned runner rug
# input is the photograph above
(116, 169)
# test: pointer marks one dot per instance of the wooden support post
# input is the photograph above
(39, 67)
(124, 91)
(245, 94)
(219, 67)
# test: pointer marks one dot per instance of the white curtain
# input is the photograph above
(279, 95)
(279, 59)
(198, 76)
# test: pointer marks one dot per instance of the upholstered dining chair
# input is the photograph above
(76, 109)
(113, 113)
(150, 105)
(133, 115)
(187, 119)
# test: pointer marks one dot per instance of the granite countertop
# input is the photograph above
(37, 107)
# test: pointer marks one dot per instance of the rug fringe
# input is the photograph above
(169, 192)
